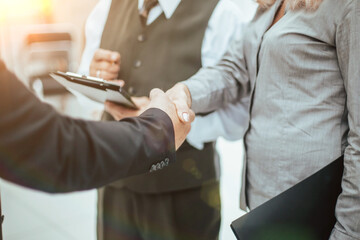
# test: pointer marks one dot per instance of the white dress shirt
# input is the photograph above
(225, 25)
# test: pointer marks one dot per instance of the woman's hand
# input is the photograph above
(181, 97)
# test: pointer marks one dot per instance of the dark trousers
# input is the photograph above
(187, 214)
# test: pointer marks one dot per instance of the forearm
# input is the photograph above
(227, 82)
(348, 51)
(348, 204)
(114, 150)
(210, 90)
(101, 152)
(41, 149)
(229, 122)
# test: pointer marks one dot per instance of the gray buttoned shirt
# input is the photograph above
(303, 78)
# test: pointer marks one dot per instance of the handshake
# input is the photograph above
(176, 103)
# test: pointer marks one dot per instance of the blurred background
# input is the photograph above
(40, 36)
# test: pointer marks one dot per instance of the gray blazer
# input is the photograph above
(303, 78)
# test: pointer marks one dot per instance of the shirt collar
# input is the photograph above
(168, 6)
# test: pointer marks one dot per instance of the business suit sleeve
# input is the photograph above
(348, 50)
(227, 82)
(43, 150)
(231, 121)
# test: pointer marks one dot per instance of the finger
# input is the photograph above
(105, 66)
(114, 110)
(121, 83)
(108, 66)
(183, 111)
(107, 55)
(156, 92)
(109, 106)
(100, 72)
(119, 112)
(108, 75)
(191, 115)
(104, 75)
(141, 101)
(180, 92)
(116, 107)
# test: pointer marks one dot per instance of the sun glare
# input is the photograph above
(22, 9)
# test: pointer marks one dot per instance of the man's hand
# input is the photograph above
(181, 97)
(119, 112)
(105, 64)
(160, 100)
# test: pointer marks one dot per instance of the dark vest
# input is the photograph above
(160, 55)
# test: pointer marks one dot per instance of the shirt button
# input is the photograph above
(137, 63)
(141, 38)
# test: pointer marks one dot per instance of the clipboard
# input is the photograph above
(96, 89)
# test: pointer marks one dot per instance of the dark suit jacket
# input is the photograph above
(43, 150)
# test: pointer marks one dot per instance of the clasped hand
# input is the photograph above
(158, 99)
(176, 102)
(179, 95)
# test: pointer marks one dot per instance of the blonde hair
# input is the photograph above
(293, 4)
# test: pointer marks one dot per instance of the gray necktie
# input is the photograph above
(144, 12)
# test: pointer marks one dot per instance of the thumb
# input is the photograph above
(191, 115)
(156, 92)
(183, 111)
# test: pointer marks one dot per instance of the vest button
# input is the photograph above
(131, 91)
(141, 38)
(137, 63)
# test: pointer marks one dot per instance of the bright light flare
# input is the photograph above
(22, 9)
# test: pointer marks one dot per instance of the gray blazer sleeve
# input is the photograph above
(43, 150)
(348, 51)
(227, 82)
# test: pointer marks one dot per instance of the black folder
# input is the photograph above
(306, 211)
